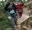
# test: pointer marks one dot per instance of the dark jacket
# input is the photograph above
(14, 8)
(10, 9)
(6, 7)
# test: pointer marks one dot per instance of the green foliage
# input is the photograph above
(5, 23)
(2, 5)
(24, 1)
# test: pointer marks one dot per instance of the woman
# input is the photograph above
(12, 13)
(19, 8)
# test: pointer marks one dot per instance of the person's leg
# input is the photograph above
(14, 27)
(15, 20)
(13, 24)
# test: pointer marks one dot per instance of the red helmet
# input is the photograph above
(19, 6)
